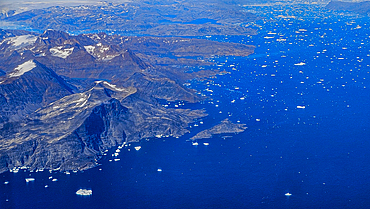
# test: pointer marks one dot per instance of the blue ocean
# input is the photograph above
(305, 97)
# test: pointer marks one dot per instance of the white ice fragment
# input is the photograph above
(206, 143)
(138, 148)
(22, 68)
(195, 143)
(288, 194)
(84, 192)
(301, 107)
(29, 179)
(300, 64)
(159, 170)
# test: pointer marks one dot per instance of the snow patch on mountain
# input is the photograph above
(90, 49)
(111, 86)
(22, 68)
(59, 52)
(23, 40)
(100, 52)
(20, 41)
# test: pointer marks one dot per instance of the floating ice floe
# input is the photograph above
(288, 194)
(206, 143)
(195, 143)
(300, 64)
(54, 180)
(6, 182)
(29, 179)
(138, 148)
(301, 107)
(117, 159)
(84, 192)
(159, 169)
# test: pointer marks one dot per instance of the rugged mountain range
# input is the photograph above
(66, 99)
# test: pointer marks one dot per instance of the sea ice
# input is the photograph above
(138, 148)
(29, 179)
(288, 194)
(84, 192)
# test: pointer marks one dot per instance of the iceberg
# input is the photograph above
(138, 148)
(300, 64)
(29, 179)
(206, 143)
(301, 107)
(159, 170)
(195, 143)
(288, 194)
(84, 192)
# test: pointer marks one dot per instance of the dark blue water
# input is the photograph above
(319, 154)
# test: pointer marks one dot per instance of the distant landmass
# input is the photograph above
(357, 7)
(165, 18)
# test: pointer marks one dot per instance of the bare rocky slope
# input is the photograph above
(66, 99)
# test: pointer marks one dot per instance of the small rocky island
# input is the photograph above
(225, 127)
